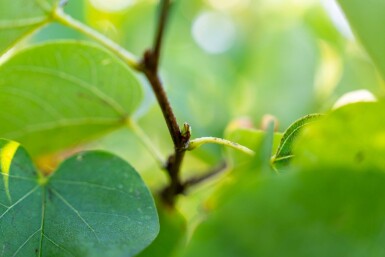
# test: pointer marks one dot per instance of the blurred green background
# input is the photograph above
(225, 60)
(230, 59)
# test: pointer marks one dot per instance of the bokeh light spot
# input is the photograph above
(214, 32)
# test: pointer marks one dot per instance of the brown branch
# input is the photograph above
(149, 66)
(162, 22)
(161, 96)
(175, 187)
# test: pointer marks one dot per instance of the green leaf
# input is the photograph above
(94, 205)
(284, 152)
(63, 93)
(367, 20)
(172, 235)
(351, 137)
(19, 18)
(310, 213)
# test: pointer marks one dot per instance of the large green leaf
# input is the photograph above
(57, 94)
(95, 204)
(352, 137)
(19, 18)
(368, 21)
(330, 213)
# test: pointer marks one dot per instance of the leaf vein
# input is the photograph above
(32, 30)
(106, 213)
(57, 245)
(17, 177)
(19, 201)
(76, 212)
(42, 223)
(19, 93)
(284, 158)
(60, 124)
(82, 183)
(9, 24)
(77, 81)
(26, 241)
(4, 205)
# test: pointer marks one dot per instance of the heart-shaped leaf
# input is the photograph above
(19, 18)
(94, 205)
(284, 152)
(368, 21)
(62, 93)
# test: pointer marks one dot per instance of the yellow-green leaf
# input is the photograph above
(63, 93)
(19, 18)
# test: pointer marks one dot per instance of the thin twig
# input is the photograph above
(195, 143)
(158, 40)
(208, 175)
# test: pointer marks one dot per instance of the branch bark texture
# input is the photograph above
(150, 66)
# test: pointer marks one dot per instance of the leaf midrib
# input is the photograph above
(310, 119)
(42, 221)
(9, 24)
(280, 150)
(62, 124)
(77, 81)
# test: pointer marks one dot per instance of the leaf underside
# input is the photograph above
(62, 93)
(19, 18)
